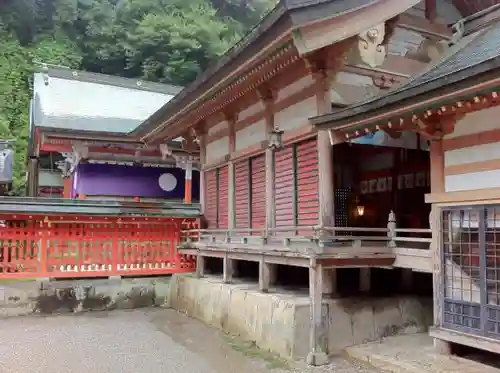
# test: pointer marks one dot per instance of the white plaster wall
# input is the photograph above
(251, 110)
(217, 149)
(473, 180)
(250, 135)
(295, 87)
(217, 128)
(479, 121)
(477, 153)
(297, 115)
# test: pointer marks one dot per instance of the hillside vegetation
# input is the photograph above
(168, 41)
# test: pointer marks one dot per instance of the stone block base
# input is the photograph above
(279, 322)
(19, 298)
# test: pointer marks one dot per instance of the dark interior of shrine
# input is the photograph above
(48, 161)
(384, 282)
(370, 182)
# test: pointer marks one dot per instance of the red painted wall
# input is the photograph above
(211, 198)
(242, 193)
(284, 187)
(258, 192)
(307, 183)
(222, 186)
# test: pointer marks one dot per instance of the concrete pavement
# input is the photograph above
(149, 341)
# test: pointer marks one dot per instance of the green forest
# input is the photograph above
(168, 41)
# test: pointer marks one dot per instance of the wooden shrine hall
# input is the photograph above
(455, 105)
(273, 189)
(79, 148)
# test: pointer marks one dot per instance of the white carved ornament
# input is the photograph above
(72, 159)
(370, 49)
(165, 151)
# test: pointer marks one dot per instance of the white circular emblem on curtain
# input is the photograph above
(167, 182)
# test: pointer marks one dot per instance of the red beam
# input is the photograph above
(60, 148)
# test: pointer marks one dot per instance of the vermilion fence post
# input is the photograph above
(115, 252)
(44, 237)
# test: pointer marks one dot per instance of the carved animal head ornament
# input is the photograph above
(371, 46)
(370, 49)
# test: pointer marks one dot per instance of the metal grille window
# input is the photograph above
(471, 269)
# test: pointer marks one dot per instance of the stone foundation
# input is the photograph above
(279, 322)
(19, 298)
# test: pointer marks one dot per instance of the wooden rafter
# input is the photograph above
(431, 123)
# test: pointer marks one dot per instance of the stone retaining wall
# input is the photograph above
(280, 322)
(19, 298)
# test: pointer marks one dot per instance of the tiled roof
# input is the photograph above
(469, 52)
(70, 100)
(481, 47)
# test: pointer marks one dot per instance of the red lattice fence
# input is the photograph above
(74, 247)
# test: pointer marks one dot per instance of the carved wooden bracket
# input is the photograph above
(436, 126)
(322, 75)
(266, 94)
(189, 142)
(371, 47)
(230, 116)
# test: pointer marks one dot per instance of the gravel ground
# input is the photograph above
(136, 341)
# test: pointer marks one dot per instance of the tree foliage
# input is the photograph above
(169, 41)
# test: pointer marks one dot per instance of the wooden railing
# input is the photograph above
(35, 246)
(316, 238)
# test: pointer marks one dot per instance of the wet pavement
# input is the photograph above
(148, 341)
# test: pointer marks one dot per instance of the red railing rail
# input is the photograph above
(83, 246)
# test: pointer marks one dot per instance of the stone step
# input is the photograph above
(413, 354)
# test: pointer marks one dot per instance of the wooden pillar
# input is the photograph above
(268, 97)
(317, 340)
(437, 186)
(329, 282)
(67, 186)
(188, 182)
(437, 166)
(365, 279)
(406, 279)
(200, 266)
(203, 147)
(270, 174)
(267, 275)
(33, 171)
(228, 270)
(430, 10)
(325, 152)
(231, 120)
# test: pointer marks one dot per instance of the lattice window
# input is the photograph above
(471, 269)
(492, 263)
(462, 280)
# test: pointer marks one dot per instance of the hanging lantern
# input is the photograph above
(275, 138)
(360, 209)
